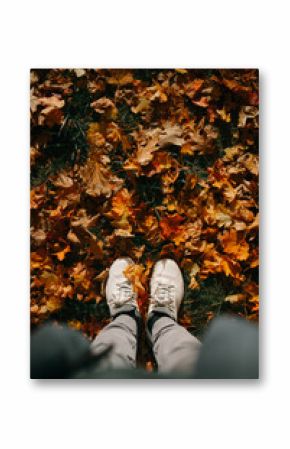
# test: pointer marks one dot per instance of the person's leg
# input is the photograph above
(120, 336)
(174, 348)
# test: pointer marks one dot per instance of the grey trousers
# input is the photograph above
(174, 348)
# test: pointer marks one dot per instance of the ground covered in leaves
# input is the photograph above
(146, 164)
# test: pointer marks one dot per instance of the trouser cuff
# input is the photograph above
(133, 312)
(157, 313)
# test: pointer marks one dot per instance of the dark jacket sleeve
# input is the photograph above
(56, 352)
(230, 350)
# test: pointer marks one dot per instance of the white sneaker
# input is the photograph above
(119, 290)
(166, 287)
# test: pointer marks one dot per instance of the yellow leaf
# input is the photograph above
(235, 298)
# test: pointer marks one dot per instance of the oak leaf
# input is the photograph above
(156, 139)
(97, 178)
(105, 106)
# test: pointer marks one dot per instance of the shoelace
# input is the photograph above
(124, 293)
(164, 296)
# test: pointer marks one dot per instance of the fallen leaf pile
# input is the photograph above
(145, 164)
